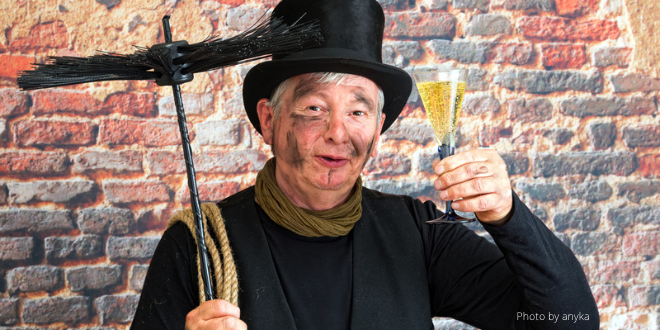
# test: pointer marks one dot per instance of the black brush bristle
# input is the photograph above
(266, 37)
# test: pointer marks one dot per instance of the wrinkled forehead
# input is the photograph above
(346, 79)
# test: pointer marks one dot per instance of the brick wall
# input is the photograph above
(90, 174)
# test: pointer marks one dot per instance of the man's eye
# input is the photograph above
(314, 108)
(358, 113)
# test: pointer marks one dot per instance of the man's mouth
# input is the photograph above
(331, 161)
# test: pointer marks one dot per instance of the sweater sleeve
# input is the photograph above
(528, 280)
(170, 286)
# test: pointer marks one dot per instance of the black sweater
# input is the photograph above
(530, 280)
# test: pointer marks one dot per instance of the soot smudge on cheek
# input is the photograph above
(369, 148)
(293, 151)
(299, 119)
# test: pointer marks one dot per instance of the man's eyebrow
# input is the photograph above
(364, 100)
(303, 88)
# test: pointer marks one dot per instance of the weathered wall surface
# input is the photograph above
(644, 26)
(565, 90)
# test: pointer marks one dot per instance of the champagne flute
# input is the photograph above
(441, 91)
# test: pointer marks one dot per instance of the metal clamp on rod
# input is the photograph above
(170, 49)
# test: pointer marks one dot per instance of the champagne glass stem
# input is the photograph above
(446, 150)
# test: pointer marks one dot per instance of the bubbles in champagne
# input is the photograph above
(443, 114)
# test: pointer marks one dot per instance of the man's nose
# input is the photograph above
(336, 129)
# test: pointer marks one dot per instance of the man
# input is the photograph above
(315, 250)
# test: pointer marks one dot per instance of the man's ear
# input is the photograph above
(374, 149)
(266, 115)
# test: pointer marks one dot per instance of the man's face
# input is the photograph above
(324, 133)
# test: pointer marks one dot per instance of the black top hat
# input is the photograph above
(353, 33)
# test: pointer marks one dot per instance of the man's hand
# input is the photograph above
(479, 178)
(215, 314)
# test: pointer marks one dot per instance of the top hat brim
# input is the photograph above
(263, 78)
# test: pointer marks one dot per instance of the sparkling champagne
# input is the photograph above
(443, 107)
(442, 92)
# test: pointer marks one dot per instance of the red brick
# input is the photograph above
(154, 220)
(415, 131)
(516, 162)
(532, 110)
(35, 278)
(93, 277)
(532, 6)
(597, 163)
(9, 311)
(121, 192)
(16, 248)
(39, 163)
(594, 30)
(136, 277)
(388, 164)
(54, 132)
(243, 17)
(580, 218)
(124, 161)
(634, 82)
(403, 4)
(134, 104)
(232, 3)
(59, 248)
(425, 25)
(64, 100)
(34, 220)
(645, 243)
(510, 52)
(194, 104)
(477, 105)
(642, 295)
(611, 272)
(116, 308)
(645, 136)
(491, 135)
(606, 56)
(131, 247)
(563, 56)
(652, 268)
(556, 28)
(101, 221)
(574, 8)
(11, 65)
(550, 81)
(3, 193)
(606, 295)
(588, 244)
(210, 191)
(57, 191)
(42, 36)
(13, 102)
(3, 130)
(69, 310)
(166, 162)
(635, 190)
(649, 165)
(148, 133)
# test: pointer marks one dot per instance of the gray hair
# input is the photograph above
(322, 78)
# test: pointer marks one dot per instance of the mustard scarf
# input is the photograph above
(335, 222)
